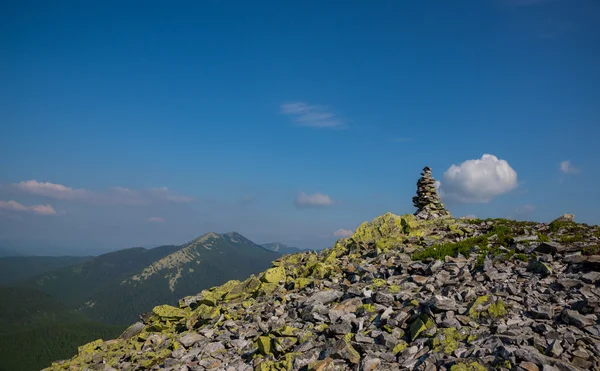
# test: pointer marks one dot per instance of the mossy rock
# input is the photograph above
(264, 345)
(167, 311)
(472, 366)
(416, 328)
(89, 347)
(484, 307)
(448, 340)
(274, 275)
(301, 282)
(401, 346)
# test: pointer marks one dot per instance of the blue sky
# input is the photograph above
(289, 121)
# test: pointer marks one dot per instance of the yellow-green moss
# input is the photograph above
(399, 347)
(497, 309)
(473, 366)
(378, 282)
(369, 308)
(475, 311)
(447, 341)
(416, 328)
(394, 289)
(301, 282)
(264, 345)
(167, 311)
(274, 275)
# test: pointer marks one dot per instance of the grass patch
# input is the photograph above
(571, 239)
(521, 257)
(556, 225)
(543, 237)
(449, 249)
(464, 247)
(591, 250)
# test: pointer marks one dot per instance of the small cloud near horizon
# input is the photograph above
(315, 200)
(304, 114)
(567, 167)
(155, 219)
(343, 233)
(113, 196)
(13, 205)
(478, 180)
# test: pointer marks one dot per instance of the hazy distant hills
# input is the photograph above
(18, 268)
(6, 251)
(281, 248)
(71, 300)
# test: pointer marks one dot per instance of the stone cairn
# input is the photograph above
(427, 201)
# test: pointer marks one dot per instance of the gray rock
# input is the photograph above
(441, 303)
(324, 297)
(383, 298)
(543, 312)
(573, 317)
(190, 339)
(133, 330)
(214, 347)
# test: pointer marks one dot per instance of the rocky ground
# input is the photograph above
(400, 294)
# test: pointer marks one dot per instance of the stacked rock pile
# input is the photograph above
(427, 201)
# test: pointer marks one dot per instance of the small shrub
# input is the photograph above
(591, 250)
(556, 225)
(543, 237)
(571, 239)
(521, 257)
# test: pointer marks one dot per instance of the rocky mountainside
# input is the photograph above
(207, 261)
(403, 292)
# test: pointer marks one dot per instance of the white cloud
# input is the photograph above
(568, 168)
(35, 209)
(313, 200)
(310, 115)
(478, 180)
(51, 190)
(343, 233)
(113, 196)
(155, 219)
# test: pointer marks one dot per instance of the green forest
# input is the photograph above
(35, 348)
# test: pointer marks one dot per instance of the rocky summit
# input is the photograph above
(402, 293)
(427, 201)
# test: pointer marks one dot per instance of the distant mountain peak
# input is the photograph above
(172, 266)
(205, 237)
(237, 238)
